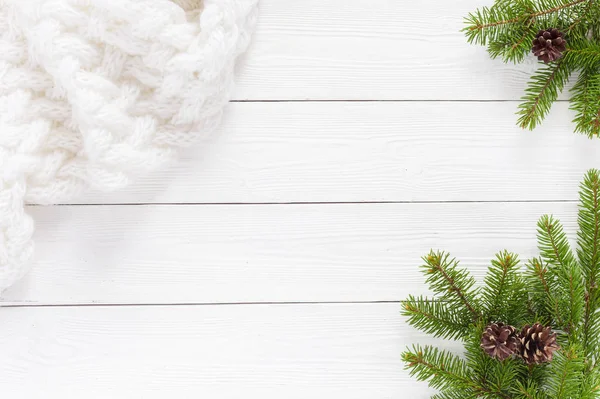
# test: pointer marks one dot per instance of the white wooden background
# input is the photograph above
(270, 261)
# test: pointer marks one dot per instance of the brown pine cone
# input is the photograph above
(549, 45)
(500, 341)
(538, 343)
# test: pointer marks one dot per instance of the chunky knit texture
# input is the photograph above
(94, 93)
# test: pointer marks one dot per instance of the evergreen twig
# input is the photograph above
(558, 289)
(508, 29)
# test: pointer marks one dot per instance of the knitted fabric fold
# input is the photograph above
(95, 93)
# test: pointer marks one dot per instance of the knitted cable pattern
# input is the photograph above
(95, 93)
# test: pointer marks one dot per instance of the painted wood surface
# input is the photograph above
(373, 50)
(278, 351)
(268, 261)
(375, 151)
(265, 253)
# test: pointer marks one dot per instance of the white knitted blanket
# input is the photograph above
(94, 93)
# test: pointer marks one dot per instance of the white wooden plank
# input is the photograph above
(264, 253)
(373, 49)
(217, 352)
(354, 152)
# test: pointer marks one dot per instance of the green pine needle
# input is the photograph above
(451, 284)
(503, 295)
(542, 91)
(564, 273)
(586, 102)
(436, 317)
(589, 257)
(566, 374)
(440, 368)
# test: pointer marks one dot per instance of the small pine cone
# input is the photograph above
(500, 341)
(538, 343)
(549, 45)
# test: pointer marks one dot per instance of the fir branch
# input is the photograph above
(542, 91)
(537, 275)
(585, 101)
(521, 47)
(589, 255)
(446, 372)
(562, 293)
(441, 369)
(496, 16)
(529, 391)
(575, 296)
(591, 328)
(565, 378)
(452, 284)
(582, 54)
(526, 16)
(503, 376)
(489, 24)
(590, 385)
(581, 17)
(436, 318)
(566, 282)
(508, 28)
(590, 26)
(512, 46)
(503, 293)
(553, 243)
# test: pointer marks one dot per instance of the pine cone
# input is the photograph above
(538, 343)
(500, 341)
(549, 45)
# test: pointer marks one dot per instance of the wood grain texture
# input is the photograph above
(167, 257)
(217, 352)
(264, 253)
(373, 49)
(355, 152)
